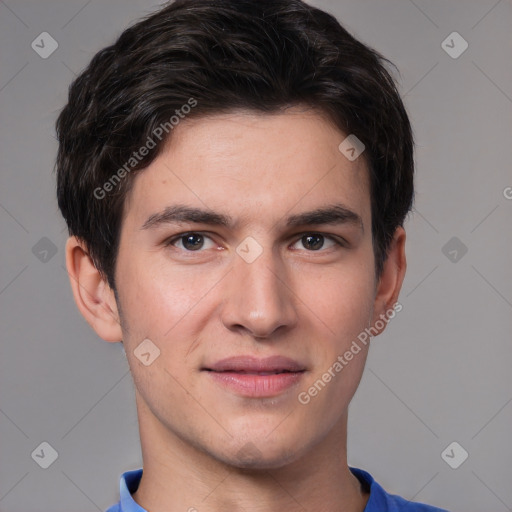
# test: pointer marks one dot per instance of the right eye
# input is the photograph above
(191, 241)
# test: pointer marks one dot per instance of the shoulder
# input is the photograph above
(381, 501)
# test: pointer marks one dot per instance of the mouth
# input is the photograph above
(253, 365)
(252, 377)
(248, 372)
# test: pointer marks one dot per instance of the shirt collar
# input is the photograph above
(130, 482)
(127, 486)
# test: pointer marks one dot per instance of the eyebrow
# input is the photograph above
(333, 215)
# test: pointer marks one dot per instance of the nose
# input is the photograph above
(258, 298)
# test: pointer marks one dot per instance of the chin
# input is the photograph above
(261, 456)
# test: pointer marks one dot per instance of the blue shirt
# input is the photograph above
(379, 500)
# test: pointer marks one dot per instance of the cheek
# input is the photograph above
(341, 298)
(149, 296)
(158, 306)
(342, 304)
(342, 308)
(171, 305)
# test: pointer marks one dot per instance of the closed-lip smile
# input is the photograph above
(256, 377)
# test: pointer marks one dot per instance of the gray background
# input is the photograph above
(441, 371)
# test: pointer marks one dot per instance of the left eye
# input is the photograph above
(315, 241)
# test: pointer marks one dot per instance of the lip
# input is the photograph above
(250, 364)
(253, 377)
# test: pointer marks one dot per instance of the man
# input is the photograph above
(235, 175)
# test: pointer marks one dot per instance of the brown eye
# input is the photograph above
(191, 242)
(313, 242)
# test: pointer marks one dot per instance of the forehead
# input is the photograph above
(246, 164)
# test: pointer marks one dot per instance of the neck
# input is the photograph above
(179, 476)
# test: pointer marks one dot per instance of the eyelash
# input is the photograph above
(338, 242)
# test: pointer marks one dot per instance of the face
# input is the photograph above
(246, 259)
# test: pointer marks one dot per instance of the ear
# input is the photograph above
(93, 296)
(390, 282)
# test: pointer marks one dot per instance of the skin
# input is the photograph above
(205, 446)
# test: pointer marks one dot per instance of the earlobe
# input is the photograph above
(93, 296)
(390, 281)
